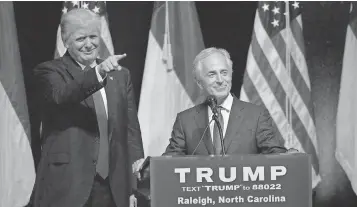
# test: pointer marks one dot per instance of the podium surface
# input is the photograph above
(279, 180)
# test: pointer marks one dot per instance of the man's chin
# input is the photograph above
(89, 58)
(221, 96)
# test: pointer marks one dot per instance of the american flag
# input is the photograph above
(98, 7)
(277, 76)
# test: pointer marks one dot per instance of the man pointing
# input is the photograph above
(90, 130)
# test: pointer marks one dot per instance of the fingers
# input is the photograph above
(119, 57)
(111, 63)
(137, 164)
(133, 201)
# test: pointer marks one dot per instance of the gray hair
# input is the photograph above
(75, 19)
(197, 63)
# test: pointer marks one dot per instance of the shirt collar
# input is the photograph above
(94, 63)
(227, 104)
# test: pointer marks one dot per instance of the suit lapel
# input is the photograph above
(201, 118)
(74, 70)
(234, 122)
(72, 66)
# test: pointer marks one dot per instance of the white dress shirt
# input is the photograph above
(100, 79)
(227, 105)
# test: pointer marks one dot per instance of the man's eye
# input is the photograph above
(211, 75)
(81, 39)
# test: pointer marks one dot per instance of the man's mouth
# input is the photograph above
(89, 52)
(220, 88)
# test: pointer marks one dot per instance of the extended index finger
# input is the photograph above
(119, 57)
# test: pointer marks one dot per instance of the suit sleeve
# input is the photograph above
(267, 141)
(56, 89)
(135, 144)
(177, 145)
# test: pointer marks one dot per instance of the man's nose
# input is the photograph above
(87, 43)
(219, 78)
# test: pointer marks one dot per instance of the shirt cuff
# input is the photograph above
(99, 77)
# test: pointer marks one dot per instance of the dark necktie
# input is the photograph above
(102, 166)
(216, 138)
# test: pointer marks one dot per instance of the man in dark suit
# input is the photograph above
(247, 128)
(91, 134)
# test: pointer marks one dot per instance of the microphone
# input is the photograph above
(211, 101)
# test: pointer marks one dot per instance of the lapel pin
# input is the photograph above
(110, 77)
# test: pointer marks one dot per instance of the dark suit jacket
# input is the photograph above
(249, 131)
(70, 140)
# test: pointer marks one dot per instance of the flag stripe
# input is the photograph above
(346, 121)
(302, 135)
(185, 49)
(158, 23)
(274, 108)
(267, 96)
(17, 171)
(279, 94)
(254, 98)
(105, 35)
(296, 31)
(268, 72)
(179, 40)
(298, 57)
(250, 92)
(303, 91)
(182, 49)
(11, 76)
(268, 80)
(280, 72)
(275, 86)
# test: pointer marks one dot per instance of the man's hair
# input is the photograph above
(197, 63)
(75, 19)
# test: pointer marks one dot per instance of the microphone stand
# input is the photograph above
(215, 117)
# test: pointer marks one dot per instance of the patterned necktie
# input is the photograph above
(216, 137)
(102, 166)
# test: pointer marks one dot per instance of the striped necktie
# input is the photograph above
(216, 137)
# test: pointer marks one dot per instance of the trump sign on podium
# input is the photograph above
(236, 180)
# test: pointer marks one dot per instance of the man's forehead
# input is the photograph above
(214, 59)
(90, 28)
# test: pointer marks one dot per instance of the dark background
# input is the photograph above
(223, 24)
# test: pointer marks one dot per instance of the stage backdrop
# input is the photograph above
(224, 24)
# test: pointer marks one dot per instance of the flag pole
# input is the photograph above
(288, 67)
(167, 55)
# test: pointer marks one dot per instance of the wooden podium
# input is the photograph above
(279, 180)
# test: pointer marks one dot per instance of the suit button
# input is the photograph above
(94, 162)
(96, 140)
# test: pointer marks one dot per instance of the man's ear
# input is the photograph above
(66, 43)
(199, 83)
